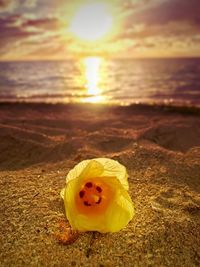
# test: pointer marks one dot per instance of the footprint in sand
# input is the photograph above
(174, 137)
(175, 200)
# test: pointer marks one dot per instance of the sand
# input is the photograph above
(160, 146)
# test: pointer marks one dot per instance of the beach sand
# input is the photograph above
(160, 146)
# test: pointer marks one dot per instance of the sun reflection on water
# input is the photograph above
(93, 76)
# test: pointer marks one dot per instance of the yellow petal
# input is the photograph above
(70, 207)
(113, 168)
(85, 169)
(120, 212)
(83, 223)
(99, 167)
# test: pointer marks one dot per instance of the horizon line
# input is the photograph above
(109, 58)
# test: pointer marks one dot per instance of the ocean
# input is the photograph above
(98, 80)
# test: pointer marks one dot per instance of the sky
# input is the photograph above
(41, 29)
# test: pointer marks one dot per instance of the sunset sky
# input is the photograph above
(47, 29)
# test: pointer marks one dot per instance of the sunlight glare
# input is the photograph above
(92, 21)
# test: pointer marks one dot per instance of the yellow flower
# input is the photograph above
(96, 197)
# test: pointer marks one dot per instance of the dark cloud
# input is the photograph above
(15, 29)
(9, 28)
(170, 29)
(11, 33)
(16, 26)
(169, 10)
(45, 23)
(164, 20)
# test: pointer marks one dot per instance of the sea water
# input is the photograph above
(100, 80)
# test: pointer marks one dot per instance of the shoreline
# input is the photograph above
(193, 109)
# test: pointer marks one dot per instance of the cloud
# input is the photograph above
(167, 11)
(12, 33)
(11, 28)
(35, 27)
(30, 3)
(8, 5)
(163, 26)
(5, 3)
(175, 29)
(44, 23)
(21, 36)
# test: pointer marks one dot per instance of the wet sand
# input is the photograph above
(160, 146)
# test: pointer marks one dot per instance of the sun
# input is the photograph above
(92, 21)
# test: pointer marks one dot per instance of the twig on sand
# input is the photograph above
(35, 195)
(91, 243)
